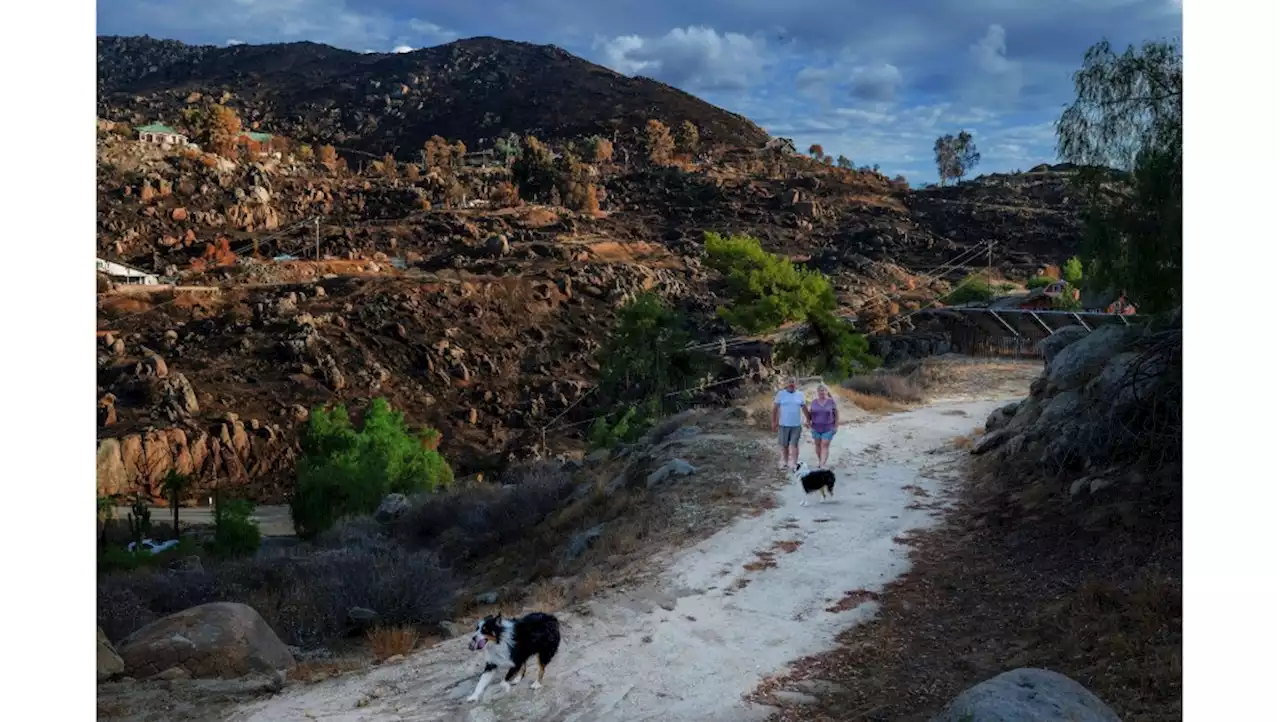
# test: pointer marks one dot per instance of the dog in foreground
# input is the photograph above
(822, 481)
(513, 644)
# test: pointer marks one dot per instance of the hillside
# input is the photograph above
(477, 312)
(473, 90)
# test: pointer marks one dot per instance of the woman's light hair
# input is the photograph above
(823, 388)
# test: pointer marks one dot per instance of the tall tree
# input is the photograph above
(1125, 127)
(955, 156)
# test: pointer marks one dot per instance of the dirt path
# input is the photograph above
(726, 613)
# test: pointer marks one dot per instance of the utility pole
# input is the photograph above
(317, 238)
(990, 246)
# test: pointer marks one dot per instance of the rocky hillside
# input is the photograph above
(472, 90)
(476, 312)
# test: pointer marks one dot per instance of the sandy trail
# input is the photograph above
(716, 624)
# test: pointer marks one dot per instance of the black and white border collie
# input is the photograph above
(822, 480)
(512, 643)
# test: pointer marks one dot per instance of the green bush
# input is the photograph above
(608, 431)
(972, 289)
(346, 472)
(765, 290)
(1039, 282)
(235, 533)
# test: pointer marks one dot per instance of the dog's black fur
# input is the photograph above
(512, 643)
(822, 480)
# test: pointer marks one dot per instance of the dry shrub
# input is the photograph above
(464, 523)
(874, 404)
(587, 585)
(208, 160)
(961, 442)
(547, 596)
(387, 642)
(303, 593)
(887, 385)
(505, 195)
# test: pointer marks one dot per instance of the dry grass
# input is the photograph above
(885, 385)
(990, 591)
(961, 442)
(387, 642)
(548, 596)
(788, 546)
(874, 404)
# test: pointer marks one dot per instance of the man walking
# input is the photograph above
(789, 412)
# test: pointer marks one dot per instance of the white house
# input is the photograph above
(161, 134)
(121, 273)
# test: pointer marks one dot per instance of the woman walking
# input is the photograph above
(824, 417)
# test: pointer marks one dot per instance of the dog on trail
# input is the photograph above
(513, 644)
(822, 481)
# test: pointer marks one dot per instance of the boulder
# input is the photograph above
(1080, 362)
(391, 508)
(109, 663)
(216, 640)
(1027, 695)
(1001, 416)
(1060, 339)
(579, 543)
(674, 467)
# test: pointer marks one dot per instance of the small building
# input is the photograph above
(160, 134)
(121, 273)
(252, 136)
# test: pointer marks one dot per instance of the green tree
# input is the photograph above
(534, 172)
(346, 472)
(1073, 271)
(844, 163)
(828, 345)
(646, 357)
(955, 156)
(1127, 117)
(766, 290)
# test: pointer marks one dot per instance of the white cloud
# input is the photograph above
(402, 49)
(877, 82)
(998, 77)
(233, 41)
(694, 58)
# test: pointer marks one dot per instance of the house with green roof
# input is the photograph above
(160, 134)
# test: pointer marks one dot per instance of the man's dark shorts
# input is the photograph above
(788, 436)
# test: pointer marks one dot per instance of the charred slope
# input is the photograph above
(474, 90)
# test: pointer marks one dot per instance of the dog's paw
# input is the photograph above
(536, 685)
(473, 698)
(506, 686)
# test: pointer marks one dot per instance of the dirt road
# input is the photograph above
(727, 613)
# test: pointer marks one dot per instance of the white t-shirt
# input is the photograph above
(789, 404)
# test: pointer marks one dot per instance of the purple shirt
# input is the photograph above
(822, 415)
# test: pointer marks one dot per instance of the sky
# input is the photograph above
(874, 80)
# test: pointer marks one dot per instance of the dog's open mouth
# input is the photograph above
(478, 644)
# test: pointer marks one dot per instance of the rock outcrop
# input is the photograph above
(231, 451)
(217, 640)
(1106, 400)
